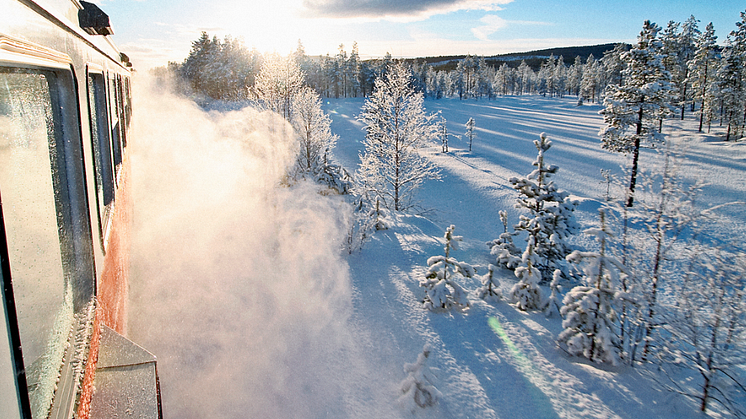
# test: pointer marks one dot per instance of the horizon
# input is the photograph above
(155, 32)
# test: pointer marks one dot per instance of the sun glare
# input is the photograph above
(267, 26)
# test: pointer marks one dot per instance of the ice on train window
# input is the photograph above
(32, 213)
(101, 147)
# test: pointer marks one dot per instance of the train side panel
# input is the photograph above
(65, 110)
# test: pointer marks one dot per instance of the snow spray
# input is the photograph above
(238, 284)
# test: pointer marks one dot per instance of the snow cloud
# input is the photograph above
(396, 9)
(238, 284)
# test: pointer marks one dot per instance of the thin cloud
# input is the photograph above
(395, 9)
(494, 23)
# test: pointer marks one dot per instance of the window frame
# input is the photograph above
(103, 156)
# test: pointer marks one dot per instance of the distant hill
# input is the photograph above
(533, 58)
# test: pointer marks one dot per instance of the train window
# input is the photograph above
(104, 170)
(116, 128)
(48, 249)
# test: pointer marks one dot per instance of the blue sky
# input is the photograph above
(153, 32)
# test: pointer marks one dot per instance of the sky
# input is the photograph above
(153, 32)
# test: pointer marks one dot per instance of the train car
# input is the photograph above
(65, 111)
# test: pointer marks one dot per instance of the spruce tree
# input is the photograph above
(490, 289)
(526, 293)
(551, 218)
(442, 292)
(589, 309)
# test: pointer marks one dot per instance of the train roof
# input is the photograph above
(85, 19)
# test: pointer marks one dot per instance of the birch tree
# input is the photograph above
(397, 128)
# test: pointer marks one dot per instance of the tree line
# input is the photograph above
(705, 77)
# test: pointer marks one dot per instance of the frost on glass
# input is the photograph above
(27, 180)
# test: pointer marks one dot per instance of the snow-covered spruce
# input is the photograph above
(553, 306)
(490, 289)
(418, 390)
(526, 293)
(503, 247)
(551, 219)
(470, 125)
(441, 291)
(589, 310)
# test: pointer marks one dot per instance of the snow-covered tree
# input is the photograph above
(589, 309)
(702, 69)
(732, 90)
(443, 135)
(278, 82)
(553, 304)
(490, 289)
(732, 77)
(707, 330)
(526, 293)
(391, 167)
(667, 216)
(551, 218)
(442, 292)
(633, 111)
(590, 81)
(503, 247)
(313, 128)
(418, 390)
(613, 65)
(470, 125)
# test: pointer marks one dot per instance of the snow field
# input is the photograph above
(519, 372)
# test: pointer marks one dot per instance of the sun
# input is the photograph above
(268, 26)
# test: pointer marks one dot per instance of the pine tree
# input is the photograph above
(702, 69)
(589, 310)
(470, 125)
(589, 82)
(441, 291)
(731, 75)
(613, 65)
(391, 167)
(632, 112)
(687, 44)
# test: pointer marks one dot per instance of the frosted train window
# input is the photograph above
(32, 215)
(104, 175)
(116, 128)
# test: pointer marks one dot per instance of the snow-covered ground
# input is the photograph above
(516, 371)
(238, 290)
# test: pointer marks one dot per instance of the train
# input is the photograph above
(65, 217)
